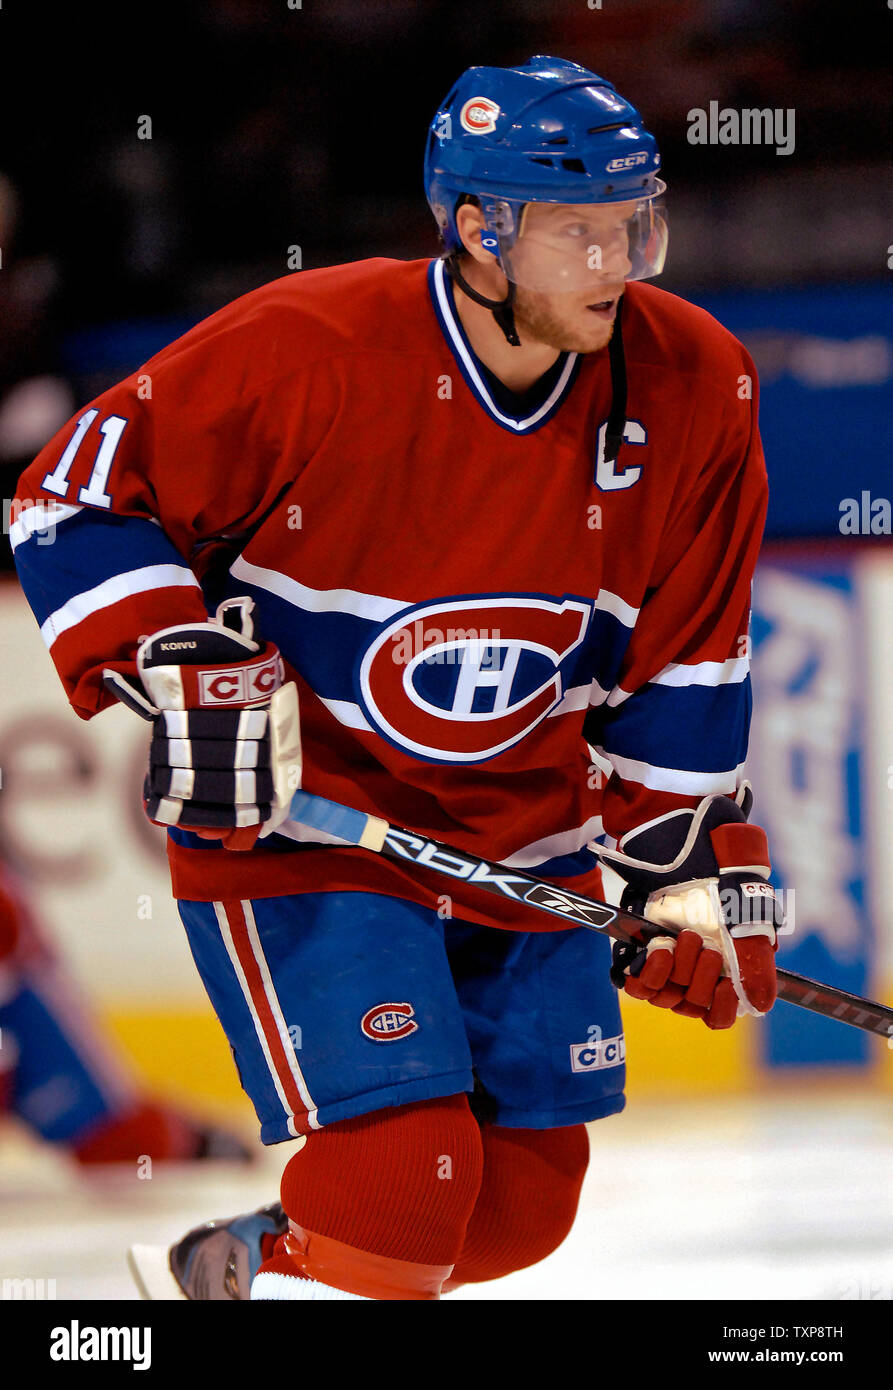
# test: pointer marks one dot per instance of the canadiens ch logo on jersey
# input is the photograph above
(386, 1022)
(461, 680)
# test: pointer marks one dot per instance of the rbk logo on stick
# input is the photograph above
(377, 836)
(447, 860)
(558, 900)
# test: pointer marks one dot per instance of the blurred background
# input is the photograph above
(177, 161)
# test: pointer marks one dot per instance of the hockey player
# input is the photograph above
(479, 514)
(62, 1077)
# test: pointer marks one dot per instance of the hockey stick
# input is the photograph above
(342, 825)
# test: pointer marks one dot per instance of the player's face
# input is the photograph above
(572, 246)
(567, 322)
(569, 265)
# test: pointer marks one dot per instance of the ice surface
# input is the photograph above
(782, 1198)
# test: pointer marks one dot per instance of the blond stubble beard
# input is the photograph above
(536, 319)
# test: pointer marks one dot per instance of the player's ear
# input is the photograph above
(470, 224)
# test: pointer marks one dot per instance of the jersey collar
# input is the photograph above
(441, 290)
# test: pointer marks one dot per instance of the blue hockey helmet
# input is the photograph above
(547, 132)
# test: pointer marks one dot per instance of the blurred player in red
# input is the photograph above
(491, 521)
(62, 1077)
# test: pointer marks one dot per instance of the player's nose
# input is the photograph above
(616, 264)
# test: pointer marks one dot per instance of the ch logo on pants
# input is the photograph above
(385, 1022)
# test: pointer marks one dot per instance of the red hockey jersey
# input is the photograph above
(499, 638)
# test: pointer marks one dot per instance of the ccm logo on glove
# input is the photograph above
(239, 686)
(225, 755)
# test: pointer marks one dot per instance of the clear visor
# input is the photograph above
(579, 246)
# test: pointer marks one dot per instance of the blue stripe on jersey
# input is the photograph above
(583, 861)
(695, 728)
(326, 647)
(323, 647)
(603, 651)
(88, 549)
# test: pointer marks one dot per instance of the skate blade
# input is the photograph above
(148, 1264)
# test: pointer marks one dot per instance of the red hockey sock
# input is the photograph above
(379, 1204)
(150, 1130)
(527, 1201)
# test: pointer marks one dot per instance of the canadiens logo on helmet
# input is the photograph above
(386, 1022)
(536, 107)
(479, 115)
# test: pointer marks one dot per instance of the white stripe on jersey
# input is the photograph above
(41, 517)
(577, 698)
(606, 602)
(347, 713)
(361, 605)
(375, 607)
(672, 779)
(553, 846)
(680, 675)
(111, 591)
(730, 672)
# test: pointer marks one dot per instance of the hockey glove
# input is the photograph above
(225, 755)
(704, 872)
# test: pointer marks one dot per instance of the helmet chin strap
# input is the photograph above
(503, 312)
(617, 415)
(502, 309)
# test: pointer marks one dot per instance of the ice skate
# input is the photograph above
(213, 1262)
